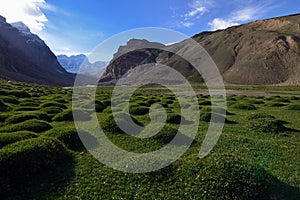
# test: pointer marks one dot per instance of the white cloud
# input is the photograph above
(186, 24)
(196, 9)
(245, 12)
(28, 11)
(218, 23)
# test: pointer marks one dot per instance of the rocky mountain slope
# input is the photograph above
(263, 52)
(25, 57)
(80, 62)
(127, 58)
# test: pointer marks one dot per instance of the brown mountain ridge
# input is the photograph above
(263, 52)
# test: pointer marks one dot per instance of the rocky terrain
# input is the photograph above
(264, 52)
(134, 53)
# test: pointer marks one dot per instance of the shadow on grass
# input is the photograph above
(276, 189)
(284, 191)
(87, 140)
(43, 185)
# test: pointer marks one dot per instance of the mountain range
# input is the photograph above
(81, 63)
(263, 52)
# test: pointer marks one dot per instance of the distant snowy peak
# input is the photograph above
(72, 63)
(76, 63)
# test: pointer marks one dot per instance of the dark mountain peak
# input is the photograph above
(2, 19)
(21, 27)
(143, 43)
(135, 44)
(135, 52)
(25, 57)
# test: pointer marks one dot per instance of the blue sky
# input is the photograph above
(78, 26)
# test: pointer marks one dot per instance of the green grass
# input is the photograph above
(265, 125)
(244, 106)
(294, 107)
(67, 115)
(41, 148)
(27, 159)
(33, 125)
(67, 135)
(26, 116)
(9, 138)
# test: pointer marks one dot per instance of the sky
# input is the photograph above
(76, 26)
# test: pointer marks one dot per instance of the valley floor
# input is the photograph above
(256, 157)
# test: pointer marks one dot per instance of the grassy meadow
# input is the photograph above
(42, 157)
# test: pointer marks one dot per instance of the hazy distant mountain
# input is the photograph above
(25, 57)
(258, 53)
(73, 64)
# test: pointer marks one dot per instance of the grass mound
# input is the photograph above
(26, 108)
(67, 115)
(68, 136)
(206, 117)
(9, 138)
(205, 103)
(173, 118)
(259, 116)
(52, 110)
(223, 176)
(30, 158)
(18, 93)
(3, 117)
(165, 135)
(33, 125)
(139, 110)
(294, 98)
(99, 106)
(56, 104)
(283, 100)
(3, 106)
(33, 104)
(293, 107)
(14, 119)
(265, 124)
(9, 99)
(108, 123)
(276, 104)
(244, 106)
(217, 110)
(255, 101)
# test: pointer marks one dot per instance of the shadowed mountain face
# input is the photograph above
(259, 53)
(25, 57)
(134, 53)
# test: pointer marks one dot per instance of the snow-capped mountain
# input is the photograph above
(76, 63)
(25, 57)
(21, 27)
(72, 63)
(25, 31)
